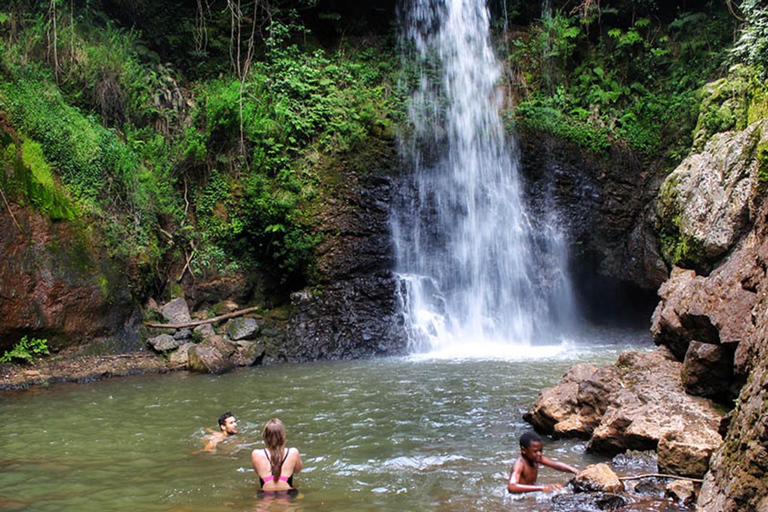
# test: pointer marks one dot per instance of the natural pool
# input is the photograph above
(396, 434)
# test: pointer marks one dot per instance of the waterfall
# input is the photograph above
(468, 255)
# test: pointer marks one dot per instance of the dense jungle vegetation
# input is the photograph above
(194, 134)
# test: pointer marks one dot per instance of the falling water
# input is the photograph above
(466, 249)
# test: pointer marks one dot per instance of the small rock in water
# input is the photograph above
(681, 491)
(597, 478)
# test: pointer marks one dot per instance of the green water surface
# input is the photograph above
(397, 434)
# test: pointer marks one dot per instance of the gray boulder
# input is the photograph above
(164, 342)
(176, 311)
(247, 353)
(242, 328)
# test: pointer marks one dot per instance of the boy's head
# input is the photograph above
(531, 447)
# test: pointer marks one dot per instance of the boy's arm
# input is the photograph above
(514, 485)
(559, 465)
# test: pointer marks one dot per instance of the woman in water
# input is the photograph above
(275, 465)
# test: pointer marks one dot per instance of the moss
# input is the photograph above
(34, 180)
(758, 104)
(762, 164)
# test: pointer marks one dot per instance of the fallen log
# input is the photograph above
(202, 322)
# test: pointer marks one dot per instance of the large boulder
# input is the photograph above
(687, 452)
(707, 203)
(242, 328)
(630, 405)
(710, 309)
(575, 406)
(708, 369)
(176, 311)
(207, 359)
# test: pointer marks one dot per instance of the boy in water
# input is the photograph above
(525, 470)
(227, 427)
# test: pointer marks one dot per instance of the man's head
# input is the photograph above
(228, 423)
(531, 446)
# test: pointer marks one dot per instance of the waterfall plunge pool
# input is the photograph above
(396, 434)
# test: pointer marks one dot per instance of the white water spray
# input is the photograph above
(465, 246)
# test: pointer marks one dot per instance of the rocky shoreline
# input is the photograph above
(78, 368)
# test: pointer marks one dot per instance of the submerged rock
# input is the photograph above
(588, 502)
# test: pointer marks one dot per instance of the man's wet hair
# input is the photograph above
(529, 437)
(223, 418)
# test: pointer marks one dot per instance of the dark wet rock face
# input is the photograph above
(604, 206)
(350, 319)
(352, 310)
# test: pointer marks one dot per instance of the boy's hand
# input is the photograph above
(552, 487)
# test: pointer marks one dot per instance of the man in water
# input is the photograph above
(525, 470)
(227, 427)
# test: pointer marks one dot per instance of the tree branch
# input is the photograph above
(8, 206)
(660, 475)
(201, 322)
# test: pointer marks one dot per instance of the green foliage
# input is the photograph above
(536, 116)
(632, 84)
(162, 164)
(26, 350)
(752, 45)
(97, 168)
(731, 103)
(293, 103)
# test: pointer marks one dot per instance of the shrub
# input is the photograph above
(26, 350)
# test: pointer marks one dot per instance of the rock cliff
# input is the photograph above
(713, 315)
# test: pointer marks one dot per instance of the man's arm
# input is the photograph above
(514, 485)
(559, 465)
